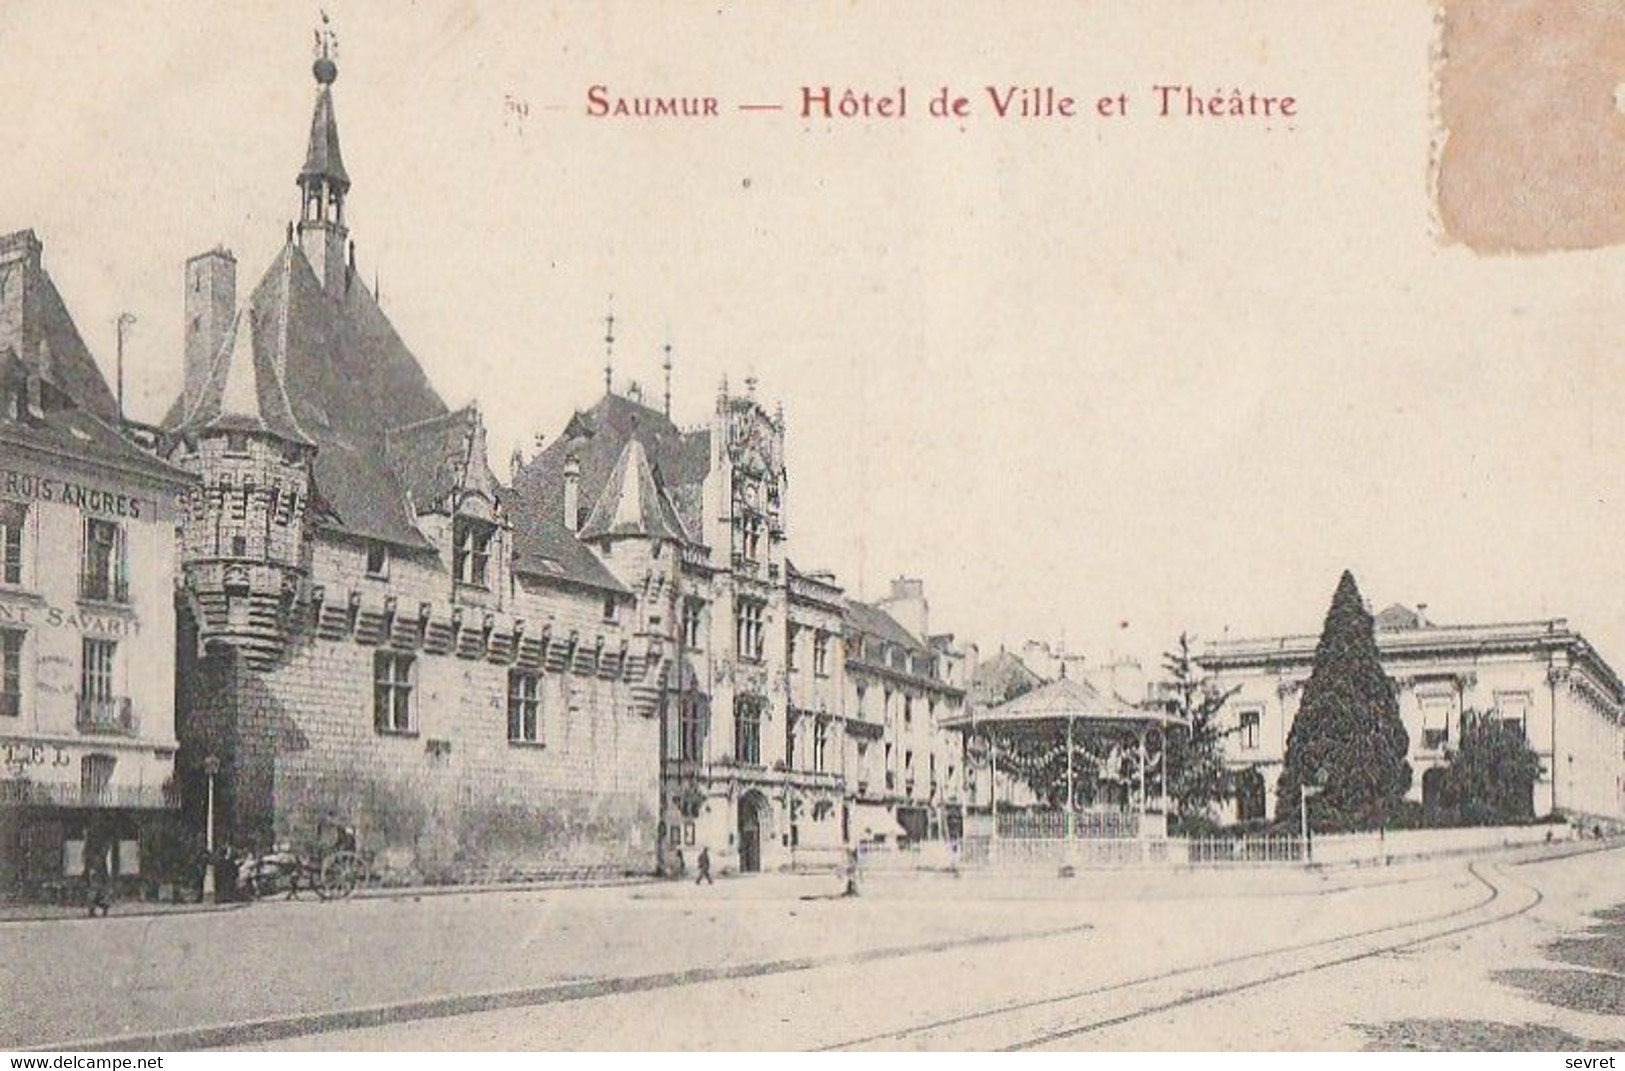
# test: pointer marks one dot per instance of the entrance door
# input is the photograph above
(750, 833)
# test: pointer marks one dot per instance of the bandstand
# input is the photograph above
(1106, 743)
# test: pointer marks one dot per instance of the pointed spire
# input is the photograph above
(666, 364)
(323, 159)
(244, 391)
(609, 348)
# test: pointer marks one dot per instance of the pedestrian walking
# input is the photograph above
(703, 865)
(98, 873)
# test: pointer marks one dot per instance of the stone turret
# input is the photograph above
(243, 544)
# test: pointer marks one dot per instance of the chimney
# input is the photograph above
(907, 604)
(19, 294)
(572, 492)
(211, 301)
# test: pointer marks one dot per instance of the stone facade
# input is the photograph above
(901, 684)
(1542, 674)
(365, 639)
(87, 616)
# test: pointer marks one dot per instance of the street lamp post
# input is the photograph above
(211, 768)
(1304, 795)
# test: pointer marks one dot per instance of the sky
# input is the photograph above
(1100, 380)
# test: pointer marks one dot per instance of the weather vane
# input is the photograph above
(327, 40)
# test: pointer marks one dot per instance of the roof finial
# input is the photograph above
(326, 68)
(609, 348)
(667, 366)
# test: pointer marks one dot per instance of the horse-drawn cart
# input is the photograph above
(332, 871)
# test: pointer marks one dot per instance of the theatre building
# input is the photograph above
(1542, 676)
(367, 638)
(87, 611)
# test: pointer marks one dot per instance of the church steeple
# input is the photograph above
(323, 182)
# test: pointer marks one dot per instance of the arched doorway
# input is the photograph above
(752, 816)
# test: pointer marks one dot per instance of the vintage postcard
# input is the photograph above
(835, 526)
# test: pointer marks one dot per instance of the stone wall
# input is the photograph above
(451, 798)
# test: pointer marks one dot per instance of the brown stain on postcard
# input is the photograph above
(1533, 154)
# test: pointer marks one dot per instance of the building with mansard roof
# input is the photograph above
(368, 638)
(1543, 676)
(902, 682)
(87, 612)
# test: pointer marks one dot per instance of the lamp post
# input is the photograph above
(1304, 795)
(211, 768)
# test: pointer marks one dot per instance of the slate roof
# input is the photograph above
(1398, 618)
(545, 549)
(680, 460)
(243, 391)
(996, 676)
(65, 428)
(435, 457)
(1061, 700)
(632, 503)
(873, 621)
(70, 364)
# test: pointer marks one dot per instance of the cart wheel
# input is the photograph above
(341, 873)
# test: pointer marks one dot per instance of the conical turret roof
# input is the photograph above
(632, 503)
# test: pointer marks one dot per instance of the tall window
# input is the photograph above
(821, 654)
(908, 710)
(690, 728)
(392, 678)
(820, 745)
(748, 730)
(378, 561)
(99, 708)
(471, 551)
(95, 779)
(96, 669)
(13, 521)
(11, 672)
(524, 707)
(750, 537)
(102, 574)
(791, 642)
(1513, 708)
(748, 629)
(692, 609)
(1438, 710)
(1249, 730)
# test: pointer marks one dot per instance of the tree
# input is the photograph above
(1197, 775)
(1347, 736)
(1491, 777)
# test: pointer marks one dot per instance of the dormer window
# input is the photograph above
(471, 551)
(236, 444)
(377, 561)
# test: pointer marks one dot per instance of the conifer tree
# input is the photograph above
(1347, 736)
(1197, 775)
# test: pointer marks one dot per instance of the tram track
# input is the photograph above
(1199, 983)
